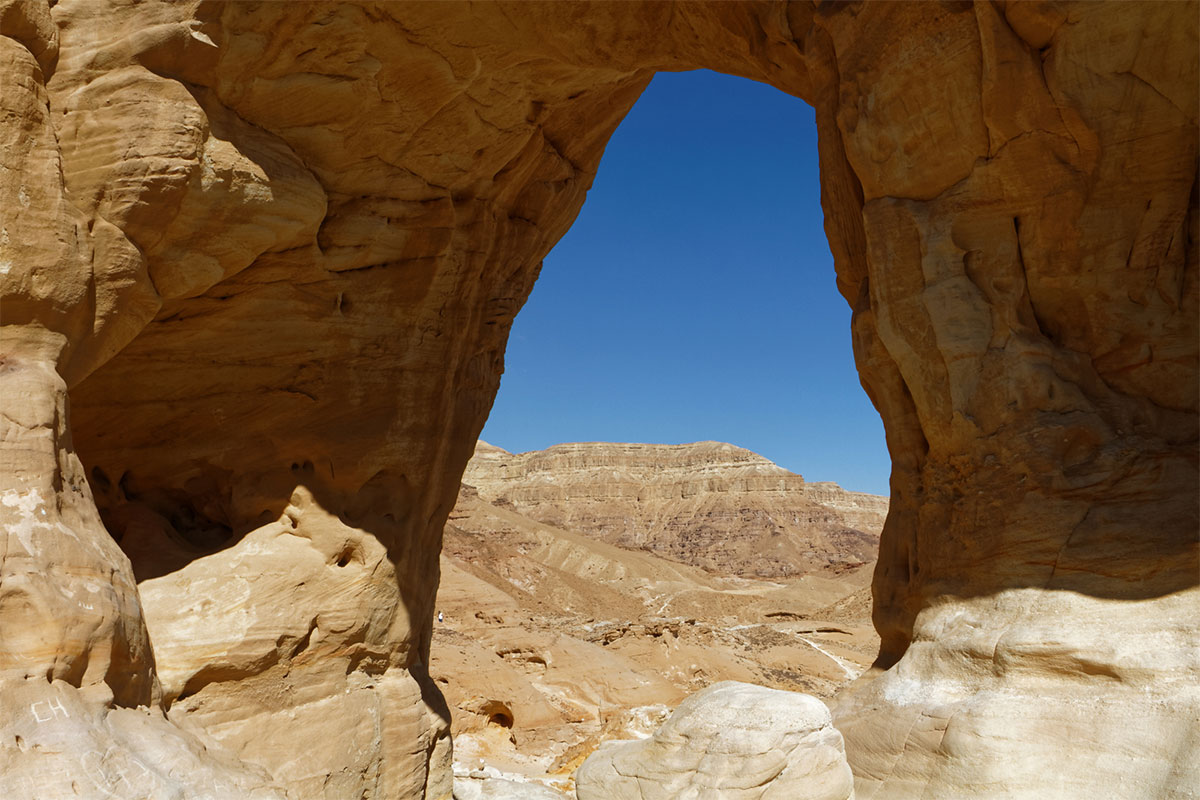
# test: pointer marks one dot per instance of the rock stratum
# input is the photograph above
(259, 262)
(709, 504)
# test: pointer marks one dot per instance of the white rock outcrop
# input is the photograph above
(732, 741)
(488, 788)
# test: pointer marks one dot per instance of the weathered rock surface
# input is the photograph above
(709, 504)
(734, 741)
(258, 264)
(500, 789)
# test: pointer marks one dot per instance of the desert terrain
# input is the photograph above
(559, 632)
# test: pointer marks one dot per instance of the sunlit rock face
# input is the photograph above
(259, 262)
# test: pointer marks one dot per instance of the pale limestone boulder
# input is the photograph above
(731, 741)
(483, 787)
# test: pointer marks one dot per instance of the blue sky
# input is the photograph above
(694, 297)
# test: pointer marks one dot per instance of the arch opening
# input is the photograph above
(695, 296)
(686, 329)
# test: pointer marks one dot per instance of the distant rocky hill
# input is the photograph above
(709, 504)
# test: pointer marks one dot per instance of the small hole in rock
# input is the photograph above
(101, 479)
(498, 713)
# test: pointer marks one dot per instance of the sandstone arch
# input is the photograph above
(272, 252)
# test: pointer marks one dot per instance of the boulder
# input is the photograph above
(731, 741)
(484, 787)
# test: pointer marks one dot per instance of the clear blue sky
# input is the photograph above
(694, 297)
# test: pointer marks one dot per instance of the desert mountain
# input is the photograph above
(708, 504)
(555, 637)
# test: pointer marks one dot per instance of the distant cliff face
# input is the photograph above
(708, 504)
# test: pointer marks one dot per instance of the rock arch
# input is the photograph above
(259, 265)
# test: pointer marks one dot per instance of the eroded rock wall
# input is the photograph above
(1026, 323)
(259, 262)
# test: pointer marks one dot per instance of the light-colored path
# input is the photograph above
(852, 670)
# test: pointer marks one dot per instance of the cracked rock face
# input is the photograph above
(259, 262)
